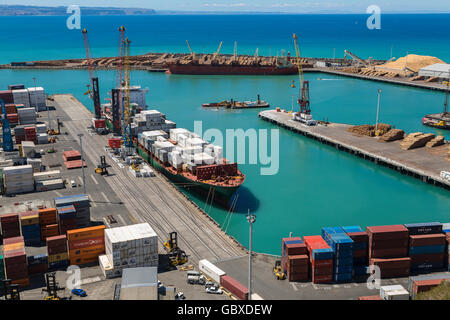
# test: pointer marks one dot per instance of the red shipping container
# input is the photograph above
(75, 164)
(297, 277)
(389, 253)
(56, 241)
(322, 263)
(427, 240)
(425, 285)
(7, 96)
(15, 257)
(57, 249)
(394, 273)
(389, 244)
(25, 282)
(71, 155)
(37, 268)
(386, 264)
(322, 278)
(359, 236)
(322, 270)
(315, 242)
(234, 286)
(13, 240)
(360, 253)
(387, 232)
(10, 217)
(296, 249)
(114, 143)
(77, 244)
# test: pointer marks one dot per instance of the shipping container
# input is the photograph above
(234, 286)
(210, 270)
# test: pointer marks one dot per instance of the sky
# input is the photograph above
(289, 6)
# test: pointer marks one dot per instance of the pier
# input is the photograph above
(424, 163)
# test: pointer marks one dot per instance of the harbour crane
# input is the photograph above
(6, 130)
(355, 58)
(190, 50)
(94, 94)
(126, 126)
(218, 50)
(304, 115)
(119, 71)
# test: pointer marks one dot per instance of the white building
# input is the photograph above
(440, 70)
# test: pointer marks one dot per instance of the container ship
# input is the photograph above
(182, 156)
(233, 66)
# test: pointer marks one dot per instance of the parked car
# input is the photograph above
(79, 292)
(213, 290)
(180, 296)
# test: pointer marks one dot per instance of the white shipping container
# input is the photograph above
(49, 185)
(210, 270)
(47, 175)
(393, 292)
(18, 170)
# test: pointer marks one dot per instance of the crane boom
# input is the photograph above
(6, 130)
(95, 95)
(190, 50)
(355, 57)
(218, 50)
(303, 99)
(127, 138)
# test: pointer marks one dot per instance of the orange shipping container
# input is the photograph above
(77, 244)
(89, 251)
(86, 233)
(13, 246)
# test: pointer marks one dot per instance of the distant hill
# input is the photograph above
(17, 10)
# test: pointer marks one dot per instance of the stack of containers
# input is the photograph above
(7, 96)
(10, 108)
(388, 249)
(426, 282)
(21, 97)
(48, 223)
(321, 258)
(15, 258)
(18, 179)
(427, 247)
(82, 206)
(19, 134)
(13, 118)
(31, 231)
(37, 264)
(30, 134)
(360, 250)
(342, 246)
(294, 259)
(67, 219)
(131, 246)
(27, 115)
(10, 225)
(446, 229)
(37, 98)
(86, 245)
(58, 256)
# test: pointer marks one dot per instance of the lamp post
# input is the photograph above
(80, 135)
(251, 218)
(378, 110)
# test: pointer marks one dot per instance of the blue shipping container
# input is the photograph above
(426, 249)
(352, 229)
(424, 228)
(322, 254)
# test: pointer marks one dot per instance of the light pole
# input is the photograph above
(80, 135)
(251, 218)
(378, 110)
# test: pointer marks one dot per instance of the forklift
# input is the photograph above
(278, 271)
(11, 290)
(101, 168)
(52, 287)
(176, 255)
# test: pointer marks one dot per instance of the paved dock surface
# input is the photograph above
(154, 199)
(424, 163)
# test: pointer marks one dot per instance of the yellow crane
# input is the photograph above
(303, 99)
(190, 50)
(218, 50)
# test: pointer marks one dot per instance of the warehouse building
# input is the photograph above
(439, 70)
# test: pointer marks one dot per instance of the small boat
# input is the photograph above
(439, 120)
(238, 104)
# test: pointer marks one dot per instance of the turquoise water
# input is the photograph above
(316, 185)
(43, 38)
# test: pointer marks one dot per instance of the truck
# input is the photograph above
(195, 277)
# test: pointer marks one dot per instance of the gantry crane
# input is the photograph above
(6, 130)
(126, 125)
(94, 94)
(304, 115)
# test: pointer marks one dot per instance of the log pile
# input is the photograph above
(369, 130)
(436, 142)
(393, 135)
(416, 140)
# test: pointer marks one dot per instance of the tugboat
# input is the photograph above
(439, 120)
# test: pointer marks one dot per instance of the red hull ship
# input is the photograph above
(224, 69)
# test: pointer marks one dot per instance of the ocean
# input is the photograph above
(316, 185)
